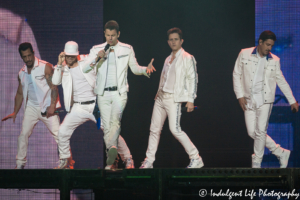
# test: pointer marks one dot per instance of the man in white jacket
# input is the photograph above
(178, 83)
(255, 75)
(39, 95)
(112, 84)
(78, 89)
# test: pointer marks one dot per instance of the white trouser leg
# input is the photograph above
(174, 114)
(157, 121)
(123, 149)
(31, 117)
(78, 115)
(111, 106)
(257, 123)
(165, 106)
(52, 123)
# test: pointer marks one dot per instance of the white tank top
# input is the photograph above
(32, 99)
(111, 79)
(82, 90)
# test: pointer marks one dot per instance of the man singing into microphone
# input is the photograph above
(255, 75)
(40, 96)
(178, 83)
(112, 87)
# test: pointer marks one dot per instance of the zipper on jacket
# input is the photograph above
(106, 72)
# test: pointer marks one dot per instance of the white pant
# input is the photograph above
(31, 116)
(111, 106)
(165, 106)
(257, 120)
(78, 115)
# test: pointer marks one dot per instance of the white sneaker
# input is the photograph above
(146, 164)
(63, 164)
(255, 164)
(109, 167)
(19, 167)
(129, 164)
(284, 158)
(111, 155)
(196, 163)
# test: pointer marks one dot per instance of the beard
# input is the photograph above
(71, 63)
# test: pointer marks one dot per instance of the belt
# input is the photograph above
(111, 88)
(86, 102)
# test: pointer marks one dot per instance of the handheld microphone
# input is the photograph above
(184, 109)
(57, 111)
(105, 49)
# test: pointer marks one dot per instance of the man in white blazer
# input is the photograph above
(78, 90)
(178, 84)
(112, 84)
(255, 75)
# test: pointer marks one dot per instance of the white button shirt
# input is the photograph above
(169, 74)
(257, 97)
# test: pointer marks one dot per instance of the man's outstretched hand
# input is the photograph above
(150, 68)
(12, 115)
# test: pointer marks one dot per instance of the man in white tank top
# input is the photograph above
(78, 89)
(40, 95)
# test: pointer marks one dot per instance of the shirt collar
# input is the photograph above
(177, 54)
(114, 47)
(269, 56)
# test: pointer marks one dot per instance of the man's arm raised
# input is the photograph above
(18, 103)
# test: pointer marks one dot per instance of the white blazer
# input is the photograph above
(125, 58)
(63, 76)
(243, 76)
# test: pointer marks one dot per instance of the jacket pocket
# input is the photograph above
(41, 81)
(245, 62)
(271, 71)
(122, 56)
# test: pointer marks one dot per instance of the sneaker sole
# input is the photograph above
(200, 166)
(111, 156)
(146, 167)
(287, 160)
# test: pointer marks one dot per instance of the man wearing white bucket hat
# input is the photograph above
(78, 89)
(112, 84)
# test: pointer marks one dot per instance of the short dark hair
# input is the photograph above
(24, 46)
(267, 35)
(111, 25)
(175, 30)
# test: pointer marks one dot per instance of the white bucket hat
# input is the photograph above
(71, 49)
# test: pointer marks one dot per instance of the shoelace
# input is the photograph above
(144, 163)
(128, 161)
(191, 163)
(62, 162)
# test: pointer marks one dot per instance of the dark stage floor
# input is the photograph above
(156, 183)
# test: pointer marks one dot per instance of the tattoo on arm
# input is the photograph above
(54, 89)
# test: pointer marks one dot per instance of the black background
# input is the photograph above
(214, 32)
